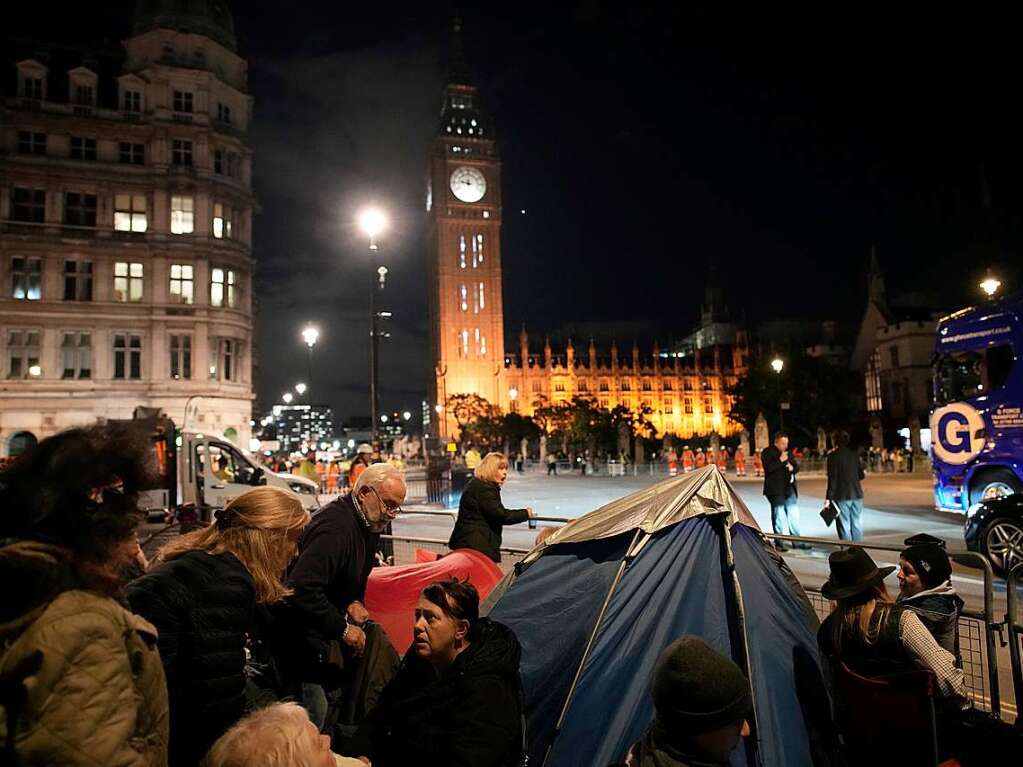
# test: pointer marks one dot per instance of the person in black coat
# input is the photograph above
(456, 699)
(780, 488)
(481, 515)
(845, 492)
(202, 598)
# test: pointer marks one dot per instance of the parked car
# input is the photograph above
(995, 529)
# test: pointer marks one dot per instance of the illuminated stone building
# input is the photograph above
(125, 229)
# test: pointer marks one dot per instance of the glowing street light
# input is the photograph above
(35, 371)
(439, 408)
(287, 398)
(383, 418)
(990, 284)
(513, 394)
(777, 364)
(406, 415)
(372, 221)
(310, 334)
(300, 388)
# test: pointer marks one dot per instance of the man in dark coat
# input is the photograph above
(844, 491)
(481, 515)
(336, 554)
(780, 470)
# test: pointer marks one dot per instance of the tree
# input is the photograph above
(819, 394)
(469, 408)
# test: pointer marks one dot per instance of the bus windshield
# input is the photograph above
(971, 373)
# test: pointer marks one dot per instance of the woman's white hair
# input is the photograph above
(275, 736)
(375, 475)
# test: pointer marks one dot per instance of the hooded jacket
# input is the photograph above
(469, 717)
(939, 609)
(81, 681)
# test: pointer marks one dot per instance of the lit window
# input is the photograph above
(127, 281)
(76, 355)
(182, 101)
(483, 345)
(182, 285)
(30, 142)
(464, 348)
(78, 280)
(181, 152)
(130, 213)
(668, 407)
(127, 356)
(181, 356)
(463, 302)
(477, 250)
(79, 209)
(131, 154)
(22, 352)
(222, 286)
(222, 226)
(182, 215)
(83, 148)
(26, 277)
(461, 251)
(481, 303)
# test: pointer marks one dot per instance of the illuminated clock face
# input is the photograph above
(468, 184)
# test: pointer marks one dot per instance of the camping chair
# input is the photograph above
(887, 719)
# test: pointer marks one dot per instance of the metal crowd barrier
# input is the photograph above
(405, 550)
(1015, 631)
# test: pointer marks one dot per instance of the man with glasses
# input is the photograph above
(335, 556)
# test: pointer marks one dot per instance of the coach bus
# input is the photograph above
(977, 423)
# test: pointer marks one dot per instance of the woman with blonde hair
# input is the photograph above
(481, 515)
(202, 596)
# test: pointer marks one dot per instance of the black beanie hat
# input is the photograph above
(697, 689)
(930, 562)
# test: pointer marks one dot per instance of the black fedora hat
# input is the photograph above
(852, 573)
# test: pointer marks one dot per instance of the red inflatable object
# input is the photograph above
(392, 592)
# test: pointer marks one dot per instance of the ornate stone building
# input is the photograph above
(125, 229)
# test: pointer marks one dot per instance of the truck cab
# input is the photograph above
(977, 423)
(212, 471)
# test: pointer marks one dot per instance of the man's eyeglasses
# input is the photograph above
(391, 508)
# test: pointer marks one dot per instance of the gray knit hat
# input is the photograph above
(697, 689)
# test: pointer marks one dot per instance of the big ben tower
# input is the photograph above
(463, 202)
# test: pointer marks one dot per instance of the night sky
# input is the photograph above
(649, 145)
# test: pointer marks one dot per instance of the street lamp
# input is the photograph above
(406, 415)
(287, 398)
(310, 334)
(990, 284)
(300, 388)
(372, 221)
(777, 364)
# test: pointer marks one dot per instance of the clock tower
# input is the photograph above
(463, 203)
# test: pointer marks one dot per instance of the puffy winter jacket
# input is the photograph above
(204, 606)
(481, 515)
(80, 678)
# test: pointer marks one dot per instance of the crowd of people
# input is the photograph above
(247, 641)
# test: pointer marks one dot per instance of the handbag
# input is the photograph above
(829, 513)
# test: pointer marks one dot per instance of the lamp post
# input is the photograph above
(777, 365)
(990, 284)
(310, 334)
(372, 223)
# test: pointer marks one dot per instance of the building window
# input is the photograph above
(893, 353)
(131, 154)
(30, 142)
(536, 387)
(132, 101)
(668, 407)
(127, 356)
(79, 209)
(223, 114)
(130, 213)
(463, 345)
(26, 277)
(127, 281)
(873, 383)
(76, 355)
(234, 165)
(182, 215)
(707, 406)
(646, 386)
(32, 88)
(23, 353)
(218, 161)
(626, 386)
(463, 298)
(230, 350)
(604, 404)
(688, 386)
(689, 407)
(181, 152)
(667, 386)
(28, 205)
(222, 225)
(182, 286)
(84, 95)
(479, 300)
(477, 251)
(604, 386)
(582, 386)
(559, 386)
(183, 101)
(222, 288)
(461, 251)
(78, 280)
(181, 356)
(83, 148)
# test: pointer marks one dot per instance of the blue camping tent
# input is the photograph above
(597, 602)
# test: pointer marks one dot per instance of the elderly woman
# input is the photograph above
(481, 515)
(81, 681)
(202, 598)
(456, 698)
(280, 735)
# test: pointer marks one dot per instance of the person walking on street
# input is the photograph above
(740, 462)
(552, 464)
(481, 515)
(780, 488)
(845, 491)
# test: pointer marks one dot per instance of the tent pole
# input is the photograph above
(590, 641)
(748, 668)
